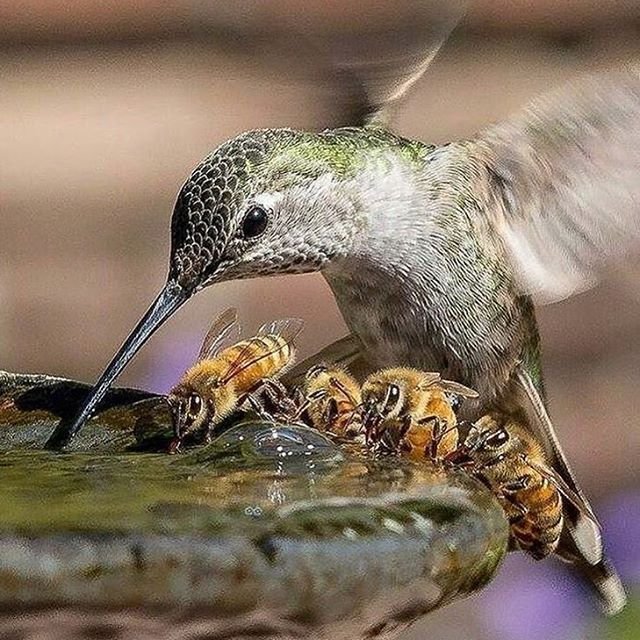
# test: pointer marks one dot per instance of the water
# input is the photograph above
(271, 524)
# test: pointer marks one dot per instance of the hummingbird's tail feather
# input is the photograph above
(581, 542)
(602, 577)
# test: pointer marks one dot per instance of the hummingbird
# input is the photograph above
(435, 253)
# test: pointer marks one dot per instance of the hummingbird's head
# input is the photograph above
(266, 202)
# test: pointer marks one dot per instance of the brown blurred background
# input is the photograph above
(104, 110)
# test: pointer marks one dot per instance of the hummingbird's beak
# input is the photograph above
(171, 298)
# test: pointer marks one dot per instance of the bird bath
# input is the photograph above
(269, 531)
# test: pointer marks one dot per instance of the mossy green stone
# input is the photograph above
(271, 530)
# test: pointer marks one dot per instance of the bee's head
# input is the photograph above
(265, 203)
(191, 412)
(382, 400)
(488, 440)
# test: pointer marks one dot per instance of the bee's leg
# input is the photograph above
(458, 459)
(517, 485)
(404, 429)
(507, 496)
(330, 413)
(479, 468)
(304, 402)
(276, 387)
(252, 403)
(510, 491)
(353, 426)
(298, 397)
(300, 401)
(437, 433)
(521, 511)
(278, 396)
(391, 440)
(372, 425)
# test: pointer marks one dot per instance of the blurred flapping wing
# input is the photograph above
(566, 175)
(380, 57)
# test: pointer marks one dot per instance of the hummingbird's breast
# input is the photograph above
(428, 286)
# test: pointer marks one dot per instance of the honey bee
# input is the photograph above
(331, 399)
(230, 375)
(412, 412)
(509, 460)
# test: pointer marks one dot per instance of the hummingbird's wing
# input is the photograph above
(566, 178)
(377, 59)
(581, 541)
(586, 532)
(368, 54)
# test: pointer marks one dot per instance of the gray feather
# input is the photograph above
(567, 181)
(583, 529)
(376, 59)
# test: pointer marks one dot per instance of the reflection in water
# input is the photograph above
(250, 470)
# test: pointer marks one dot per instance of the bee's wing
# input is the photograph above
(224, 331)
(563, 178)
(583, 530)
(346, 352)
(428, 379)
(288, 329)
(458, 389)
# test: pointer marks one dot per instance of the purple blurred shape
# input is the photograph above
(534, 601)
(620, 517)
(173, 358)
(545, 601)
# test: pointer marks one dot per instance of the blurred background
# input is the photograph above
(104, 110)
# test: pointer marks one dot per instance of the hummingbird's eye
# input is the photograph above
(255, 221)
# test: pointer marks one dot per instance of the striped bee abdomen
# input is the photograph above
(260, 357)
(538, 530)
